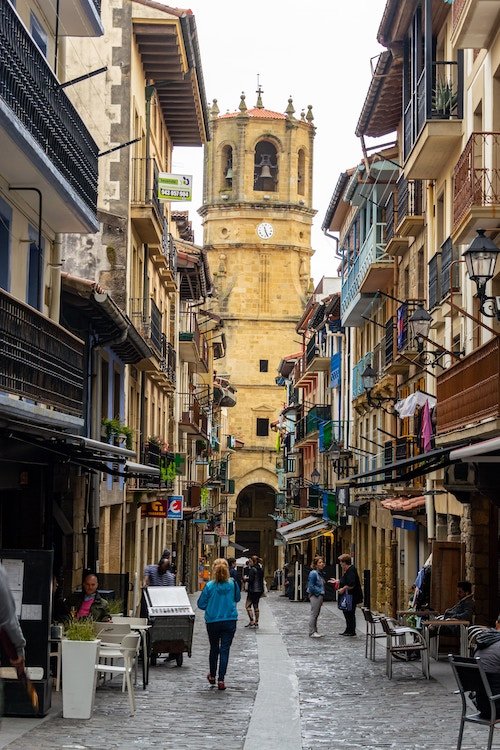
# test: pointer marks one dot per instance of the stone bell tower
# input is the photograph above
(257, 219)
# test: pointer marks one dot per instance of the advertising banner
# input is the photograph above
(175, 187)
(154, 509)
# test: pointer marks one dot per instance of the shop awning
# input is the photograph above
(141, 470)
(296, 524)
(398, 504)
(404, 470)
(306, 533)
(480, 452)
(358, 508)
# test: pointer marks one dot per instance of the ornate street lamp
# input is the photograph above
(480, 258)
(369, 377)
(419, 324)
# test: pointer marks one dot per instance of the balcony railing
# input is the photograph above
(357, 371)
(320, 345)
(40, 360)
(371, 251)
(333, 434)
(409, 198)
(168, 361)
(31, 90)
(145, 183)
(147, 318)
(390, 217)
(476, 180)
(168, 248)
(194, 417)
(438, 95)
(469, 391)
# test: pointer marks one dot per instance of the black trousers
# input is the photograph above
(350, 621)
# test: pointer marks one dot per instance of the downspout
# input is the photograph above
(55, 279)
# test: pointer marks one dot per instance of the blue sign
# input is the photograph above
(335, 370)
(175, 507)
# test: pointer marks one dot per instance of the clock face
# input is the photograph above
(265, 230)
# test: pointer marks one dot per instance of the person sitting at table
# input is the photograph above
(88, 602)
(488, 650)
(462, 610)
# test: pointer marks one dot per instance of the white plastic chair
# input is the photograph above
(127, 652)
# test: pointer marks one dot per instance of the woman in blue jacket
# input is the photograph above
(218, 599)
(316, 591)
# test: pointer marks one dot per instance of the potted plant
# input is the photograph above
(116, 430)
(80, 650)
(444, 99)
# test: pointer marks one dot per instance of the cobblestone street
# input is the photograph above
(345, 700)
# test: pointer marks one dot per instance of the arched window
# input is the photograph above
(265, 169)
(227, 168)
(301, 173)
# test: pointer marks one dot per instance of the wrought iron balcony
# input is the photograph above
(432, 126)
(193, 347)
(333, 435)
(410, 207)
(40, 360)
(164, 258)
(468, 391)
(146, 209)
(39, 124)
(364, 274)
(308, 426)
(194, 418)
(476, 186)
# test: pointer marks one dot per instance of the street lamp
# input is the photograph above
(315, 475)
(419, 324)
(369, 377)
(480, 258)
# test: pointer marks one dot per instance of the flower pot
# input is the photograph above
(79, 675)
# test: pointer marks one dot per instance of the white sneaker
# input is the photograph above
(315, 635)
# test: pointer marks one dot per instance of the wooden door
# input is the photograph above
(448, 568)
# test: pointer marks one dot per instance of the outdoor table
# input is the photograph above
(402, 614)
(438, 624)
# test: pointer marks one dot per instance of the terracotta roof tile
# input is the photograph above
(266, 114)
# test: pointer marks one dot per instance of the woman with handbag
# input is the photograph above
(349, 592)
(316, 591)
(219, 598)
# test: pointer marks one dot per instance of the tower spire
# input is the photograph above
(259, 93)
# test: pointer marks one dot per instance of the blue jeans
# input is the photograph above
(220, 635)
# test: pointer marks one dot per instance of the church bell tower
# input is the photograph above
(257, 216)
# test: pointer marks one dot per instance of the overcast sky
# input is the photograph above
(319, 53)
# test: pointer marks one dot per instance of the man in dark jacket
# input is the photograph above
(488, 650)
(88, 602)
(255, 591)
(349, 583)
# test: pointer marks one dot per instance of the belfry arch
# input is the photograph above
(255, 528)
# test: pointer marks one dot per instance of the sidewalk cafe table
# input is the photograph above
(438, 624)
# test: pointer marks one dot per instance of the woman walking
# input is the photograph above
(316, 591)
(218, 599)
(255, 591)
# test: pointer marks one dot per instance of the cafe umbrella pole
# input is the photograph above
(11, 653)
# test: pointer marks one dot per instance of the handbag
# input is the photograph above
(346, 602)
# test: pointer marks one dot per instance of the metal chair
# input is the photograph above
(127, 651)
(371, 633)
(471, 677)
(398, 646)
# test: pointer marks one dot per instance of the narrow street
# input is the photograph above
(284, 691)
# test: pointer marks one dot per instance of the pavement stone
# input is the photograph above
(345, 701)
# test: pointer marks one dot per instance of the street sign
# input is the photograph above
(175, 507)
(175, 187)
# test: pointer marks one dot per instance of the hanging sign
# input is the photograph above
(175, 507)
(155, 509)
(175, 187)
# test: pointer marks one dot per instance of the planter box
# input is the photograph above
(79, 659)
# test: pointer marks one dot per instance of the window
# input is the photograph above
(227, 168)
(263, 365)
(265, 176)
(35, 270)
(39, 34)
(301, 173)
(262, 427)
(5, 222)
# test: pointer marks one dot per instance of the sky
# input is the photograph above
(319, 53)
